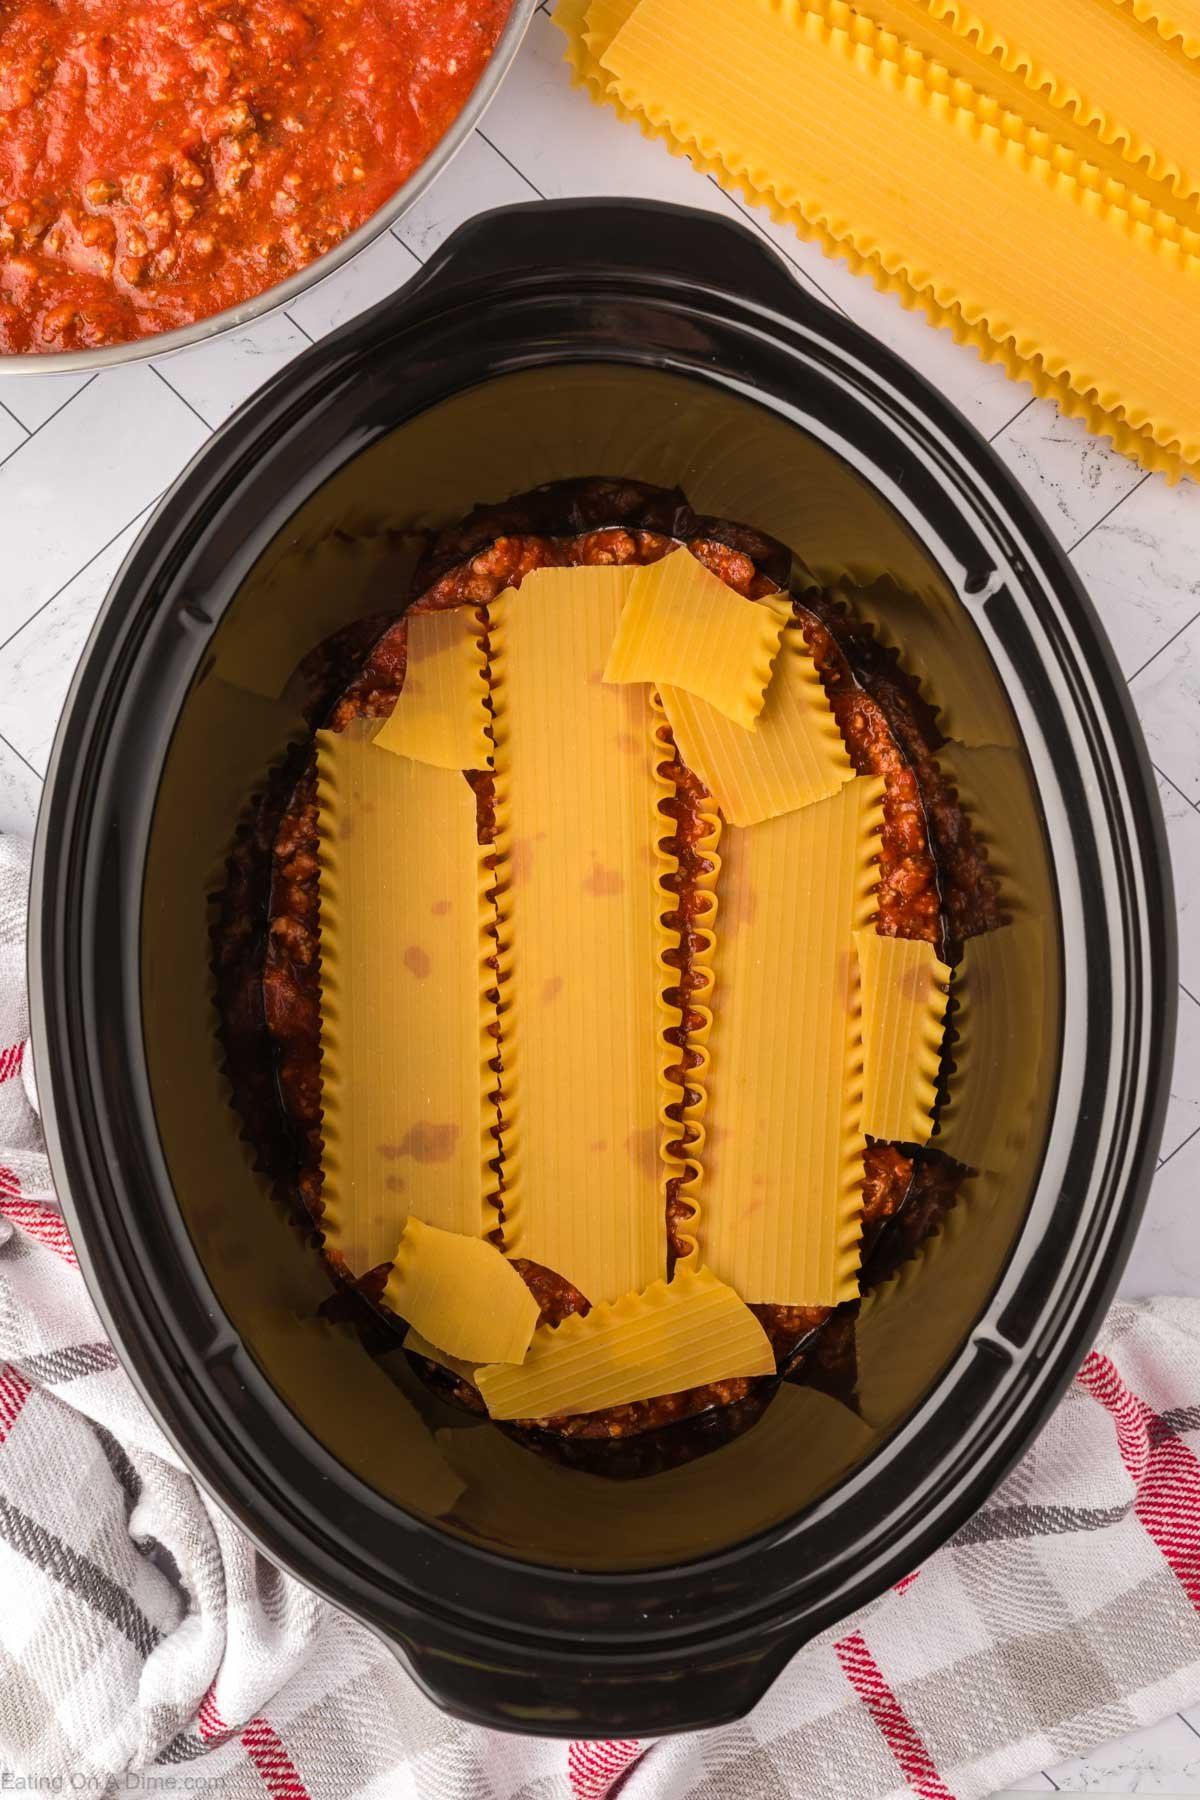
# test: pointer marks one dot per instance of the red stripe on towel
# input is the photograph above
(264, 1746)
(14, 1392)
(41, 1222)
(1166, 1472)
(896, 1728)
(595, 1768)
(209, 1722)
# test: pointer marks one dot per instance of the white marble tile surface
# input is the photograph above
(12, 432)
(215, 378)
(1166, 693)
(20, 791)
(1164, 1759)
(109, 446)
(380, 270)
(33, 399)
(1141, 567)
(113, 448)
(478, 179)
(1078, 478)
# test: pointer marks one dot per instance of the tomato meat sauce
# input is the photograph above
(164, 160)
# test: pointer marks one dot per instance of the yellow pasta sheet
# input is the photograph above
(1099, 64)
(794, 756)
(403, 1054)
(783, 1173)
(457, 1365)
(675, 1335)
(580, 907)
(440, 717)
(910, 33)
(1177, 22)
(903, 999)
(1105, 286)
(461, 1294)
(682, 627)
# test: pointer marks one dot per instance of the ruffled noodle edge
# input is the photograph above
(1098, 408)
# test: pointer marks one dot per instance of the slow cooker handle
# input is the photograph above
(575, 1693)
(619, 240)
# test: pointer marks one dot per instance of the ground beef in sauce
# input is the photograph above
(160, 162)
(934, 884)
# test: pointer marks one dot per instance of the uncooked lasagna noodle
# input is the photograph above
(460, 1293)
(903, 1000)
(457, 1365)
(1177, 22)
(580, 868)
(782, 1180)
(730, 104)
(435, 719)
(682, 626)
(403, 1052)
(794, 756)
(1100, 65)
(674, 1335)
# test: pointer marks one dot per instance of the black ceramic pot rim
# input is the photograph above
(631, 283)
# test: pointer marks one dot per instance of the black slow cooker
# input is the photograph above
(544, 342)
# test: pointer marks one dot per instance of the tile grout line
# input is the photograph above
(1183, 1146)
(991, 440)
(183, 400)
(1195, 806)
(76, 573)
(394, 231)
(40, 779)
(512, 165)
(1130, 679)
(1189, 1724)
(17, 422)
(1141, 482)
(17, 448)
(1190, 995)
(299, 327)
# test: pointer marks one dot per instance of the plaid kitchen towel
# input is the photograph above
(145, 1646)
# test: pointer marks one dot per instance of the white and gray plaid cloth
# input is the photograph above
(145, 1646)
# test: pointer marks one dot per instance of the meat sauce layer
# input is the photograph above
(163, 160)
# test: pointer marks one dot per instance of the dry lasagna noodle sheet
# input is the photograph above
(461, 1294)
(1096, 62)
(403, 1052)
(783, 1174)
(683, 627)
(720, 86)
(1177, 23)
(903, 998)
(457, 1365)
(439, 717)
(676, 1335)
(795, 754)
(581, 938)
(910, 36)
